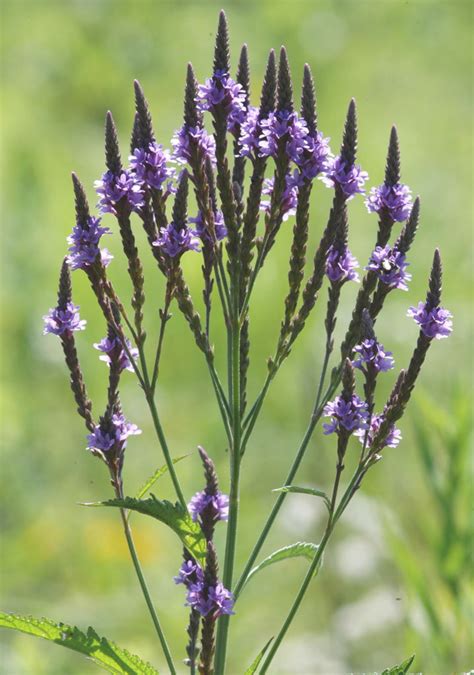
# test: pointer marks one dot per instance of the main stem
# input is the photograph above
(235, 459)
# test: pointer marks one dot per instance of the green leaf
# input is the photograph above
(402, 669)
(299, 550)
(306, 491)
(251, 670)
(102, 651)
(158, 473)
(173, 515)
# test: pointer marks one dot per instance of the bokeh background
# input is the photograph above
(395, 578)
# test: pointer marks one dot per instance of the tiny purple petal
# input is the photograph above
(434, 322)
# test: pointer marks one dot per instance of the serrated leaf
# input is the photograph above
(252, 669)
(306, 491)
(102, 651)
(299, 550)
(158, 473)
(401, 669)
(174, 516)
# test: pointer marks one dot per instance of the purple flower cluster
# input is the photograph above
(390, 266)
(395, 199)
(435, 322)
(249, 133)
(341, 265)
(279, 125)
(186, 137)
(393, 438)
(174, 241)
(289, 200)
(349, 415)
(112, 435)
(221, 91)
(150, 166)
(84, 244)
(215, 600)
(216, 505)
(351, 179)
(201, 230)
(316, 156)
(370, 354)
(190, 572)
(113, 188)
(113, 351)
(59, 321)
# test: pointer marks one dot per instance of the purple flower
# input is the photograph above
(190, 572)
(390, 266)
(396, 199)
(59, 321)
(113, 351)
(112, 189)
(249, 133)
(218, 504)
(215, 600)
(370, 354)
(341, 265)
(185, 137)
(289, 200)
(283, 124)
(435, 322)
(201, 230)
(174, 241)
(350, 415)
(150, 166)
(316, 157)
(112, 435)
(84, 244)
(394, 435)
(220, 90)
(351, 179)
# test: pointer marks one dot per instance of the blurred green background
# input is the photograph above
(395, 577)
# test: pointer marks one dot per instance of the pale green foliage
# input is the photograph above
(253, 668)
(401, 669)
(306, 491)
(102, 651)
(155, 476)
(299, 550)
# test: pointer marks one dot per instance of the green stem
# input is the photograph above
(164, 447)
(235, 459)
(164, 321)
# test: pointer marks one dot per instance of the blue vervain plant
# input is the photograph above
(254, 172)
